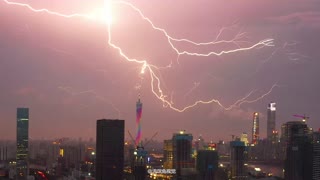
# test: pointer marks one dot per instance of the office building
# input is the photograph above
(255, 129)
(168, 154)
(298, 161)
(207, 164)
(271, 120)
(110, 149)
(22, 143)
(316, 156)
(182, 153)
(237, 160)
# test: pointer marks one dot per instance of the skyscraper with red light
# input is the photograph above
(255, 128)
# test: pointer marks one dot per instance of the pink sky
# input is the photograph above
(65, 72)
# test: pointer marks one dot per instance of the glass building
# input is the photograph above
(22, 142)
(110, 149)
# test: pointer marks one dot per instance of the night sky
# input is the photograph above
(65, 72)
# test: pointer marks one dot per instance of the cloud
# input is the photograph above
(25, 91)
(309, 19)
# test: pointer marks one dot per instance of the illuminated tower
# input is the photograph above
(271, 120)
(139, 162)
(22, 142)
(138, 121)
(255, 128)
(110, 149)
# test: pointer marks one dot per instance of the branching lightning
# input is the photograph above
(145, 66)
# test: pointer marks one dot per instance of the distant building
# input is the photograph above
(199, 143)
(255, 128)
(110, 149)
(22, 143)
(298, 161)
(168, 154)
(271, 120)
(244, 138)
(207, 164)
(237, 160)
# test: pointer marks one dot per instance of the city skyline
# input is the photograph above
(66, 74)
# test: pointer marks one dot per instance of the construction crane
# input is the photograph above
(146, 143)
(132, 139)
(304, 117)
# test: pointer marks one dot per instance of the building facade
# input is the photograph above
(255, 128)
(298, 161)
(110, 149)
(237, 160)
(271, 120)
(22, 157)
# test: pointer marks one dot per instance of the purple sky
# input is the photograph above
(65, 72)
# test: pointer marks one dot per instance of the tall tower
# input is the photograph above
(255, 128)
(22, 143)
(110, 149)
(138, 121)
(271, 121)
(139, 162)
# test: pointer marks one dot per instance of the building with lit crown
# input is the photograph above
(255, 128)
(271, 120)
(22, 143)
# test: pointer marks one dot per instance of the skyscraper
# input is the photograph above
(110, 149)
(255, 128)
(22, 143)
(207, 164)
(168, 154)
(138, 121)
(182, 152)
(237, 160)
(316, 156)
(271, 120)
(298, 161)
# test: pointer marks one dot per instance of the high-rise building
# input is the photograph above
(244, 138)
(271, 120)
(22, 143)
(168, 154)
(316, 156)
(110, 149)
(237, 160)
(207, 164)
(255, 129)
(182, 152)
(298, 161)
(138, 121)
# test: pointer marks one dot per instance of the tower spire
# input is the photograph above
(138, 121)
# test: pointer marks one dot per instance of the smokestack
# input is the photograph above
(6, 153)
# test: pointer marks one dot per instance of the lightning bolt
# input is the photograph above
(145, 66)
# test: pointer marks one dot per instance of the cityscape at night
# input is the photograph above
(162, 90)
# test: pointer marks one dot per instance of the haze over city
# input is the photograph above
(65, 72)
